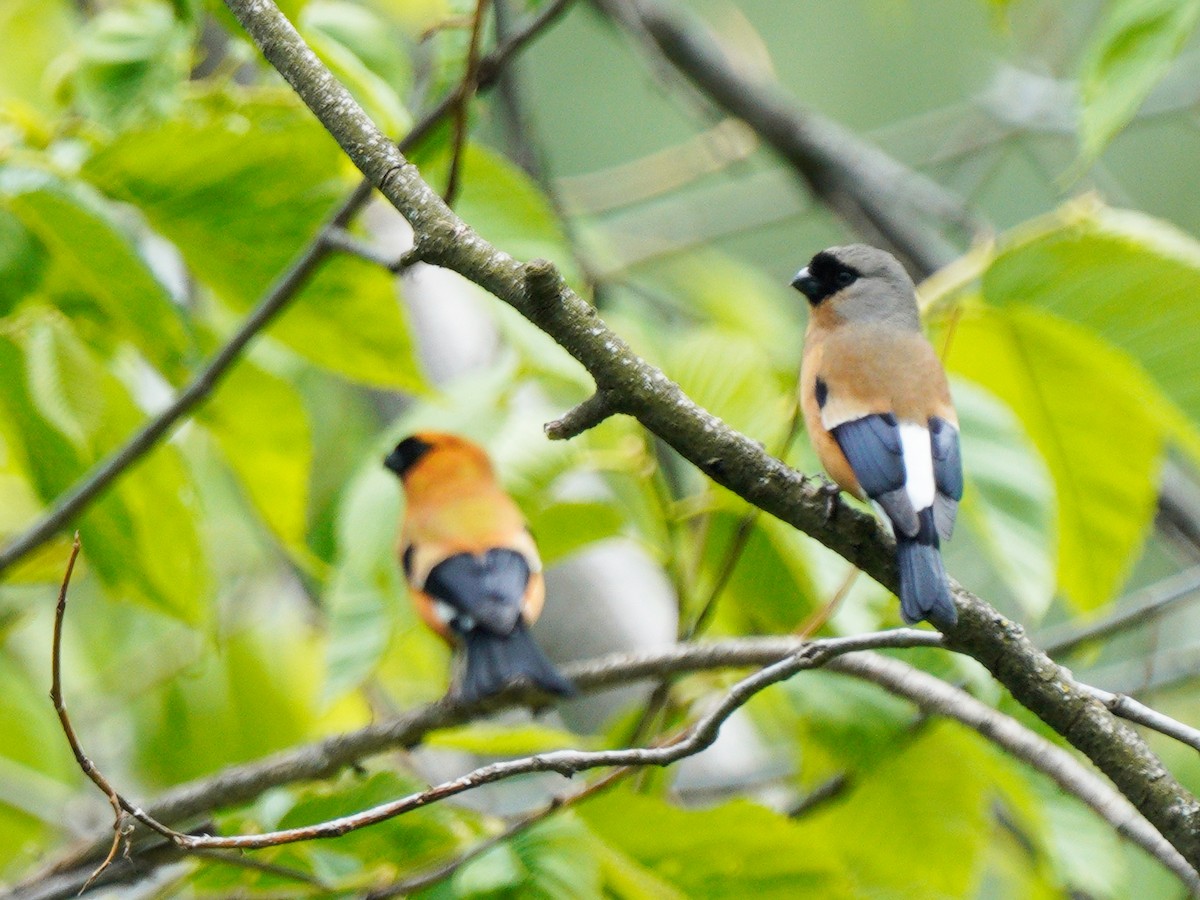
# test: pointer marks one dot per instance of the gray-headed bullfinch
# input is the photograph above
(471, 564)
(878, 412)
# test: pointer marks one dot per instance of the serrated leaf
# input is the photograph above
(1084, 405)
(1129, 53)
(262, 428)
(729, 375)
(287, 174)
(97, 258)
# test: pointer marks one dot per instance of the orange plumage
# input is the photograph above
(472, 566)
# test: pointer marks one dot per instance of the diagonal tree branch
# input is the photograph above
(875, 194)
(537, 292)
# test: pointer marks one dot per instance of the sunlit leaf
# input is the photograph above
(260, 423)
(287, 175)
(1131, 279)
(40, 29)
(1129, 52)
(95, 257)
(62, 411)
(1084, 405)
(735, 849)
(729, 375)
(1009, 501)
(132, 60)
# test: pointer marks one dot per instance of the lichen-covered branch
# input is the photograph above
(731, 459)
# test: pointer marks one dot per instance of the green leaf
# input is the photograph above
(261, 425)
(552, 860)
(96, 257)
(729, 375)
(1131, 279)
(407, 842)
(493, 739)
(61, 411)
(362, 602)
(285, 171)
(569, 526)
(1009, 500)
(132, 63)
(770, 590)
(737, 849)
(914, 825)
(1128, 54)
(1084, 405)
(251, 693)
(23, 261)
(37, 773)
(35, 32)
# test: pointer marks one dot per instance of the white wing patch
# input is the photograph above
(918, 464)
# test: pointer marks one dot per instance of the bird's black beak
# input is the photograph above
(406, 455)
(807, 285)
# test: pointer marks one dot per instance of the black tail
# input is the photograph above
(924, 589)
(495, 661)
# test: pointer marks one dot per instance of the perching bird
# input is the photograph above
(878, 411)
(471, 563)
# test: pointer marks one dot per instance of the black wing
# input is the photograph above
(484, 590)
(947, 474)
(872, 447)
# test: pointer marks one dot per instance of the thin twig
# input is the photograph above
(119, 805)
(1127, 708)
(1144, 606)
(444, 871)
(462, 107)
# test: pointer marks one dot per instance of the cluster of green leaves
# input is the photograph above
(239, 594)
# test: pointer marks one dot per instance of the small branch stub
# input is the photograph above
(587, 415)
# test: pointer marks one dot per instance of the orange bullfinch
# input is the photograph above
(471, 564)
(878, 412)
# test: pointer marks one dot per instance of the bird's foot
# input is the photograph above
(829, 491)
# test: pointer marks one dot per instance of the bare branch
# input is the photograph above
(462, 107)
(726, 456)
(1145, 606)
(1127, 708)
(587, 415)
(874, 193)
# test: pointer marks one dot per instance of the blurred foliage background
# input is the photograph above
(238, 593)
